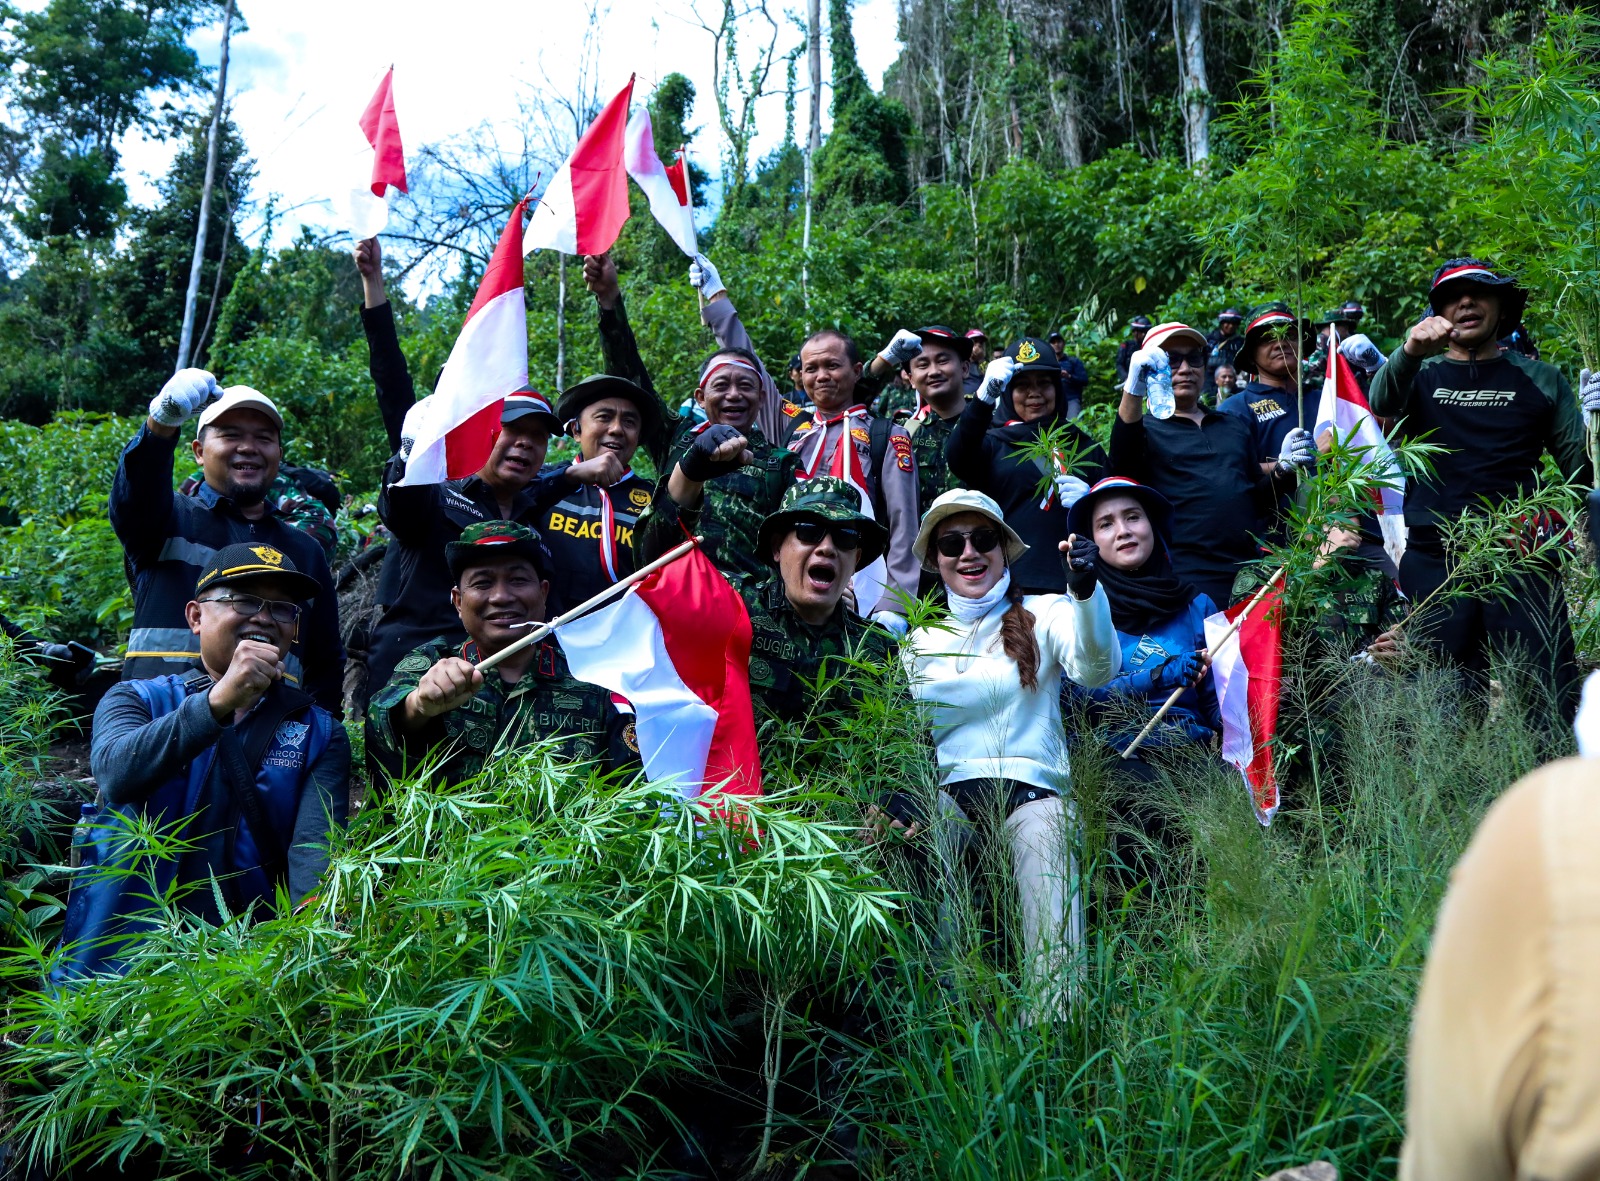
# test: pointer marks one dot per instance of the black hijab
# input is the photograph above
(1143, 598)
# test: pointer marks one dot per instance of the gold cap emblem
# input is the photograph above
(1027, 354)
(267, 554)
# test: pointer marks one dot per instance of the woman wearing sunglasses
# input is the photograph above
(990, 678)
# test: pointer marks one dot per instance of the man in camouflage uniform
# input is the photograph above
(799, 619)
(724, 477)
(437, 695)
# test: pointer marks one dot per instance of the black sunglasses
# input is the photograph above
(250, 606)
(1195, 359)
(845, 537)
(954, 544)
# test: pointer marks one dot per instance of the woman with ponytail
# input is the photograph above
(990, 677)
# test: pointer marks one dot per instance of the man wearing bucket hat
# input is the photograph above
(1034, 493)
(243, 764)
(1495, 414)
(168, 539)
(1276, 399)
(799, 619)
(437, 697)
(414, 586)
(1204, 462)
(590, 527)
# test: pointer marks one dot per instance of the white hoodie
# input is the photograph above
(985, 725)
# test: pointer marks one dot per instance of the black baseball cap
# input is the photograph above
(938, 334)
(242, 560)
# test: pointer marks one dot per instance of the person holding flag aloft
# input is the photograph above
(1024, 385)
(1204, 462)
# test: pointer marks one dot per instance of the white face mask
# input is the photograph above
(965, 610)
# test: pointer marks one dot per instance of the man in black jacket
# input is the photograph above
(168, 539)
(1203, 461)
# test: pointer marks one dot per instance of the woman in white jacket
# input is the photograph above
(991, 681)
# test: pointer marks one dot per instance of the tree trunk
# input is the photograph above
(813, 137)
(186, 337)
(1195, 93)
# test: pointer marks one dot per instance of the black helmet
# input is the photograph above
(1139, 323)
(1350, 312)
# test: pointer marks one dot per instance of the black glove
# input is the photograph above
(1175, 672)
(697, 464)
(1080, 565)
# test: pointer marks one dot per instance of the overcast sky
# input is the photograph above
(300, 76)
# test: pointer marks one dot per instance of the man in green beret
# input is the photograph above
(438, 695)
(799, 616)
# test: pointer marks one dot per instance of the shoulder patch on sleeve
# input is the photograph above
(416, 662)
(902, 451)
(789, 408)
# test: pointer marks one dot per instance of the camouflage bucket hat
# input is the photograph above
(824, 498)
(486, 541)
(1268, 322)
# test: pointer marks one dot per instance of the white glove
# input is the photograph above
(186, 393)
(1070, 490)
(888, 619)
(995, 379)
(1299, 450)
(1139, 367)
(1589, 391)
(1361, 353)
(704, 278)
(905, 345)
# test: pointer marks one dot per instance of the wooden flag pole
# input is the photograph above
(1226, 636)
(616, 588)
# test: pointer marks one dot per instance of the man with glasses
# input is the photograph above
(258, 770)
(439, 699)
(799, 617)
(168, 539)
(1204, 461)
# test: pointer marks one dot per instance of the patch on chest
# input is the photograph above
(1146, 651)
(639, 498)
(414, 663)
(1266, 410)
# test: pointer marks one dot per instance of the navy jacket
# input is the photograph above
(167, 541)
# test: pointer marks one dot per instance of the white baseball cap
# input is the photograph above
(240, 397)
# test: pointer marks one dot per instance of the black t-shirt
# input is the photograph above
(1211, 472)
(589, 553)
(1271, 410)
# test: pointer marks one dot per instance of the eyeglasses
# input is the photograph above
(1194, 360)
(250, 606)
(954, 543)
(845, 537)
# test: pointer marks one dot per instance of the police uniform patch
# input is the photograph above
(807, 425)
(1027, 354)
(860, 436)
(639, 497)
(902, 451)
(630, 735)
(790, 409)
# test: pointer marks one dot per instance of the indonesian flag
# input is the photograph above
(586, 203)
(367, 210)
(453, 429)
(1344, 410)
(677, 646)
(665, 185)
(1248, 667)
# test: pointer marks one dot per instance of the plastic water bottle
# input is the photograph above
(1158, 387)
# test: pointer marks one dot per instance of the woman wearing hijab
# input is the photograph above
(1024, 386)
(1160, 622)
(990, 679)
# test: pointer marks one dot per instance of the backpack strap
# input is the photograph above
(878, 431)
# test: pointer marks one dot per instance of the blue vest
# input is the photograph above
(103, 908)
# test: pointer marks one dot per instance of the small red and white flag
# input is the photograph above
(454, 428)
(677, 646)
(586, 203)
(1248, 667)
(383, 163)
(1344, 410)
(666, 186)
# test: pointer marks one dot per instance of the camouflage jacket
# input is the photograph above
(547, 702)
(788, 655)
(299, 509)
(929, 434)
(730, 512)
